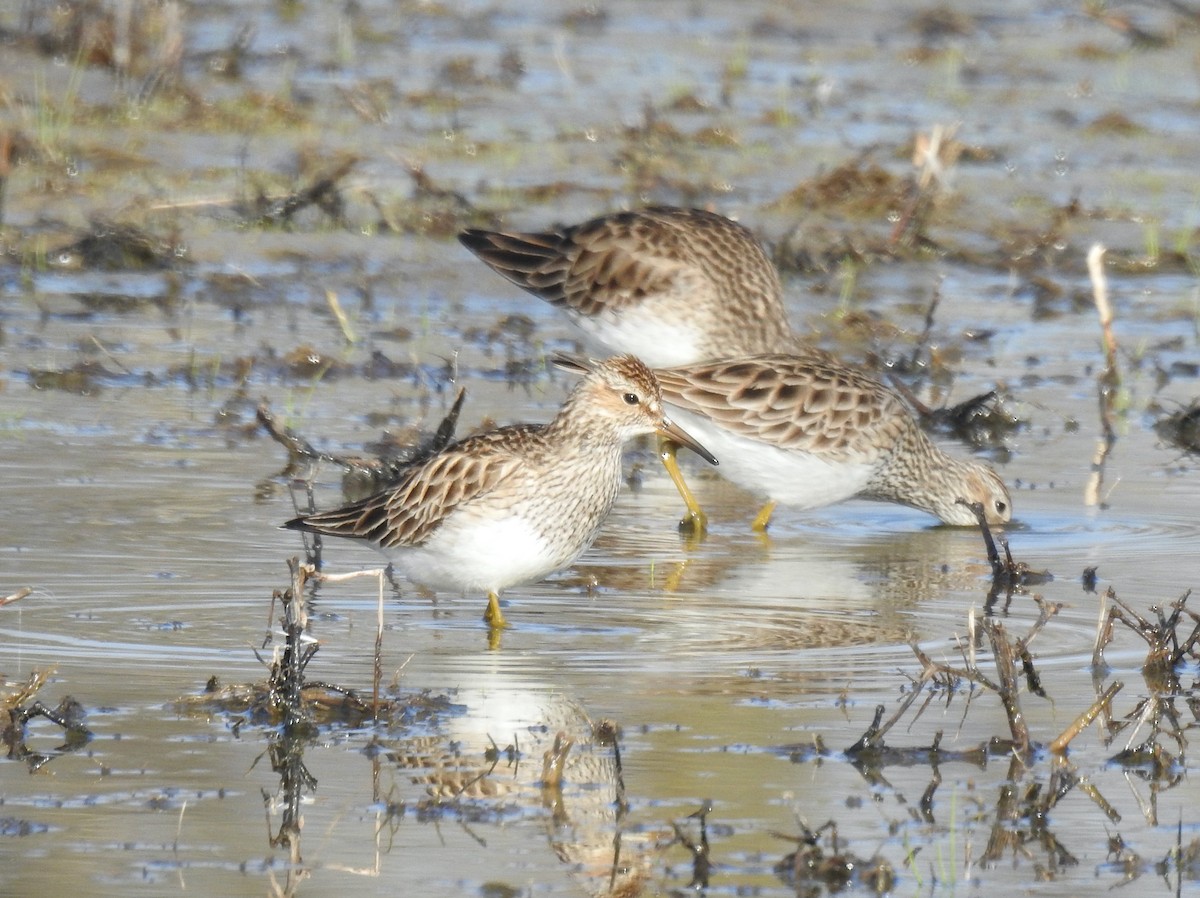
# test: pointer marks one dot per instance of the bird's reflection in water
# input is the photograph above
(558, 763)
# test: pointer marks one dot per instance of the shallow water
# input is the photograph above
(142, 506)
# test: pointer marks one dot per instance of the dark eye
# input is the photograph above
(630, 398)
(1001, 506)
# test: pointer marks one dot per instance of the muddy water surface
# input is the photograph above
(141, 503)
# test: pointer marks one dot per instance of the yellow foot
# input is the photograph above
(694, 524)
(494, 617)
(763, 518)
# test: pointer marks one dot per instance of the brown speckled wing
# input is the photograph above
(535, 262)
(799, 402)
(603, 264)
(407, 513)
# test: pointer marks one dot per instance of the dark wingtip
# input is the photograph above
(295, 524)
(568, 361)
(473, 238)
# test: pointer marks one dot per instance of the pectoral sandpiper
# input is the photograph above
(807, 430)
(512, 505)
(672, 286)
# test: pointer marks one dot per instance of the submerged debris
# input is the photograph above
(119, 246)
(824, 862)
(323, 190)
(1181, 429)
(82, 379)
(701, 863)
(365, 476)
(857, 188)
(1167, 646)
(433, 209)
(983, 421)
(20, 707)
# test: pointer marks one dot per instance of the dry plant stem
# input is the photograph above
(554, 761)
(295, 611)
(1100, 801)
(16, 596)
(6, 156)
(1095, 266)
(113, 360)
(701, 863)
(379, 574)
(1191, 641)
(1006, 654)
(1161, 635)
(1009, 685)
(929, 157)
(1148, 807)
(1149, 710)
(929, 670)
(1006, 830)
(295, 621)
(295, 445)
(1095, 482)
(1104, 630)
(1059, 745)
(377, 669)
(335, 306)
(1110, 379)
(27, 690)
(923, 343)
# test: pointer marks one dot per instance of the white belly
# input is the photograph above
(799, 479)
(478, 555)
(659, 342)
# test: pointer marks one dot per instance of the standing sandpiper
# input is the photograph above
(515, 504)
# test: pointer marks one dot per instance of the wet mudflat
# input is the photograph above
(212, 207)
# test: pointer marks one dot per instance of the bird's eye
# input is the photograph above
(630, 398)
(1001, 506)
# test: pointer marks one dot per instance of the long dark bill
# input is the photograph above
(672, 430)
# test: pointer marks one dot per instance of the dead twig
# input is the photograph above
(1080, 723)
(1109, 383)
(1165, 648)
(380, 472)
(16, 596)
(322, 192)
(701, 862)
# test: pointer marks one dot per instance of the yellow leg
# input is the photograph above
(696, 521)
(763, 518)
(494, 616)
